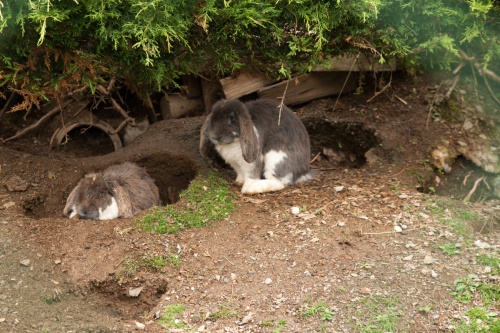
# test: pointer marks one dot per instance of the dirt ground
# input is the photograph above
(260, 269)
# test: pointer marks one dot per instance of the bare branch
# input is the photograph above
(39, 122)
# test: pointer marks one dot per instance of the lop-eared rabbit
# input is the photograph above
(119, 191)
(266, 145)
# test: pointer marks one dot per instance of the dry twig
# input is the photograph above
(432, 104)
(471, 192)
(39, 122)
(346, 79)
(383, 89)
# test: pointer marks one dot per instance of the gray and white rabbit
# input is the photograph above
(267, 150)
(119, 191)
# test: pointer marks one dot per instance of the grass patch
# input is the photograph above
(378, 314)
(319, 310)
(160, 261)
(169, 316)
(207, 199)
(278, 326)
(224, 312)
(458, 218)
(450, 249)
(491, 261)
(479, 320)
(471, 287)
(54, 298)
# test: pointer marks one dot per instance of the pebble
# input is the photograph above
(338, 188)
(434, 274)
(408, 258)
(341, 224)
(482, 245)
(134, 292)
(397, 228)
(268, 281)
(25, 262)
(429, 260)
(139, 325)
(295, 210)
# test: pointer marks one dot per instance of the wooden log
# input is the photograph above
(310, 86)
(244, 83)
(174, 106)
(210, 91)
(363, 64)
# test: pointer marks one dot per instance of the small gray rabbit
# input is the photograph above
(119, 191)
(267, 150)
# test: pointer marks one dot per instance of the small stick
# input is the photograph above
(345, 82)
(383, 89)
(400, 99)
(466, 177)
(383, 232)
(315, 158)
(116, 105)
(39, 122)
(282, 104)
(471, 192)
(453, 85)
(432, 104)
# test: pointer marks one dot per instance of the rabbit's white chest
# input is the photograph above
(231, 153)
(110, 212)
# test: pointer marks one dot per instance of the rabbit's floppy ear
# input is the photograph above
(71, 201)
(248, 139)
(205, 143)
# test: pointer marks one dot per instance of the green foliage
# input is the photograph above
(50, 47)
(168, 317)
(479, 320)
(450, 248)
(206, 199)
(223, 312)
(492, 261)
(468, 288)
(320, 310)
(378, 314)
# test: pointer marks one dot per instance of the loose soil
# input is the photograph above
(263, 266)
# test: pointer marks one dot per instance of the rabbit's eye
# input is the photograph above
(231, 118)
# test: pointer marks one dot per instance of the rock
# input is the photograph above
(408, 258)
(434, 274)
(338, 188)
(482, 245)
(295, 210)
(8, 204)
(139, 325)
(25, 262)
(397, 228)
(134, 292)
(246, 319)
(429, 260)
(16, 184)
(268, 281)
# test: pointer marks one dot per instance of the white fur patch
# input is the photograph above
(262, 185)
(73, 212)
(110, 212)
(232, 154)
(271, 160)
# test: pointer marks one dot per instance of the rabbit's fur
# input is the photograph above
(119, 191)
(267, 151)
